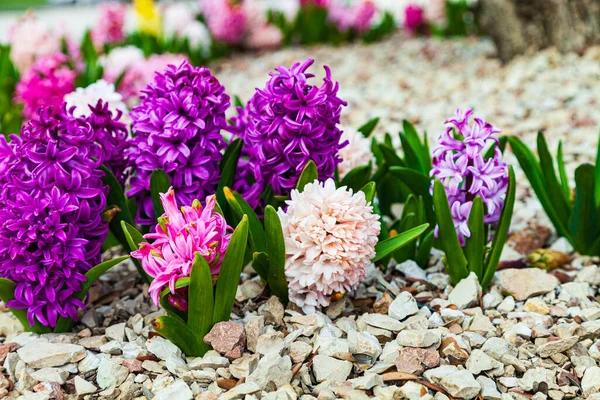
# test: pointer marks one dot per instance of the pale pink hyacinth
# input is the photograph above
(178, 236)
(30, 39)
(110, 28)
(119, 60)
(226, 20)
(356, 153)
(358, 15)
(330, 235)
(259, 33)
(140, 73)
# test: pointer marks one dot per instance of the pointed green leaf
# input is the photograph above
(475, 245)
(369, 191)
(116, 197)
(178, 333)
(414, 149)
(560, 202)
(456, 263)
(357, 177)
(562, 173)
(392, 244)
(261, 264)
(419, 184)
(201, 300)
(237, 102)
(369, 127)
(231, 269)
(491, 263)
(533, 171)
(309, 175)
(390, 156)
(424, 250)
(584, 221)
(134, 238)
(406, 252)
(258, 239)
(276, 252)
(159, 183)
(597, 169)
(228, 167)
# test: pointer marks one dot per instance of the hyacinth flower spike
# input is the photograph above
(473, 198)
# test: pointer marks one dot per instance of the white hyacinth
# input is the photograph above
(356, 153)
(82, 98)
(330, 236)
(179, 22)
(119, 60)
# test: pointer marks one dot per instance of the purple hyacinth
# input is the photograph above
(459, 164)
(289, 123)
(178, 129)
(51, 201)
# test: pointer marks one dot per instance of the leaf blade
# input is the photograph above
(201, 300)
(276, 252)
(159, 183)
(388, 246)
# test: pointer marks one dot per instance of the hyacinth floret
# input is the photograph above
(330, 236)
(178, 129)
(290, 123)
(51, 228)
(178, 236)
(459, 163)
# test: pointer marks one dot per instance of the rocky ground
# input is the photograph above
(406, 333)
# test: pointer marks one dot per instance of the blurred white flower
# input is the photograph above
(119, 60)
(29, 39)
(356, 153)
(330, 236)
(82, 98)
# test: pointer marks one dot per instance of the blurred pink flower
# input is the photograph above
(358, 16)
(330, 236)
(225, 19)
(30, 39)
(260, 34)
(119, 60)
(180, 233)
(111, 24)
(45, 83)
(414, 17)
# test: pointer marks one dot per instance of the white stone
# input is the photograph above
(461, 384)
(411, 269)
(367, 381)
(41, 355)
(179, 390)
(110, 374)
(50, 374)
(489, 391)
(420, 338)
(299, 351)
(364, 343)
(83, 387)
(479, 361)
(272, 368)
(116, 332)
(590, 383)
(403, 306)
(383, 322)
(161, 348)
(507, 305)
(241, 391)
(466, 292)
(413, 391)
(526, 282)
(328, 368)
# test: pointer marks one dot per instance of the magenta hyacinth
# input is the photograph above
(178, 236)
(45, 84)
(414, 17)
(177, 129)
(226, 20)
(51, 203)
(459, 163)
(289, 123)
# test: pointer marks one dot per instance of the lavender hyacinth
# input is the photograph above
(51, 201)
(289, 123)
(459, 164)
(178, 129)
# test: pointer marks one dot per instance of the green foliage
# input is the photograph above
(476, 256)
(575, 219)
(159, 184)
(413, 215)
(10, 113)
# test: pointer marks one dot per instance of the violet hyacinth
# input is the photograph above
(51, 201)
(289, 123)
(459, 164)
(178, 129)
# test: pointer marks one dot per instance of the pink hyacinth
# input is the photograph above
(30, 39)
(414, 17)
(225, 19)
(358, 16)
(178, 236)
(45, 83)
(111, 22)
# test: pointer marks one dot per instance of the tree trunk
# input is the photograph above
(519, 26)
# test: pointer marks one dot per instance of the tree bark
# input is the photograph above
(520, 26)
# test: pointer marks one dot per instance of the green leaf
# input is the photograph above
(7, 293)
(414, 149)
(178, 333)
(237, 102)
(309, 175)
(201, 301)
(597, 169)
(390, 155)
(159, 183)
(501, 231)
(116, 197)
(276, 252)
(564, 180)
(584, 221)
(229, 277)
(456, 263)
(388, 246)
(228, 167)
(419, 183)
(475, 245)
(238, 205)
(502, 144)
(424, 250)
(262, 265)
(555, 191)
(134, 238)
(369, 191)
(357, 177)
(369, 127)
(407, 252)
(533, 171)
